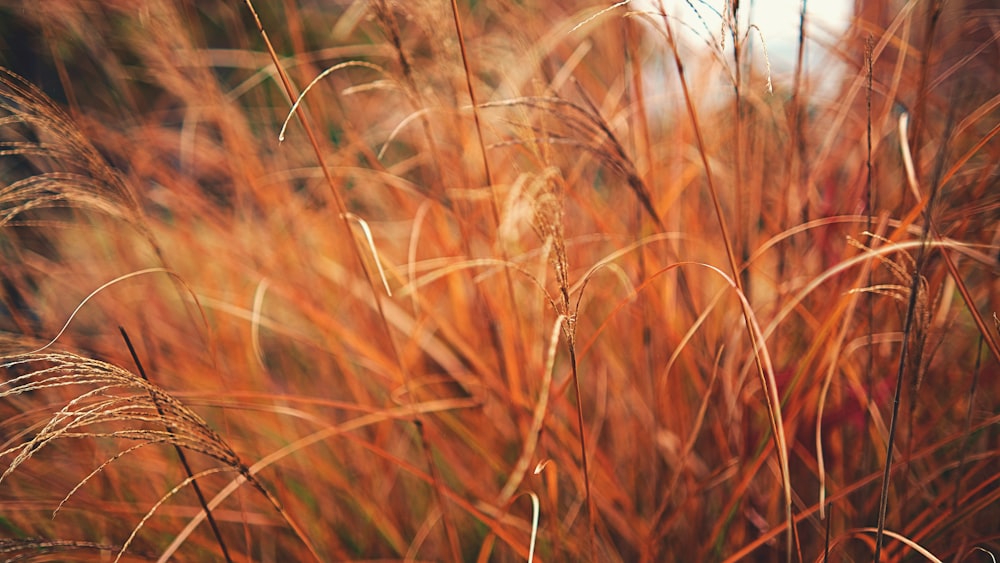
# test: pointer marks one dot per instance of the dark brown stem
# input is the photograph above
(589, 499)
(180, 452)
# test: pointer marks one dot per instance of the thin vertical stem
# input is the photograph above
(772, 401)
(513, 368)
(588, 498)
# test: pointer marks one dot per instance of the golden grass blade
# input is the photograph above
(537, 420)
(910, 543)
(295, 105)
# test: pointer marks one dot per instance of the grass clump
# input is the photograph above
(496, 281)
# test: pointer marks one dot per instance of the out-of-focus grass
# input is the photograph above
(392, 359)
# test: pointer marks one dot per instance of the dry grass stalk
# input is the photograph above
(397, 266)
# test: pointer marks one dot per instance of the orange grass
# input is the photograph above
(496, 281)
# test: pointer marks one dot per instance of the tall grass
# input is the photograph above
(496, 281)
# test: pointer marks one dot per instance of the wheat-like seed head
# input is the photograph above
(107, 401)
